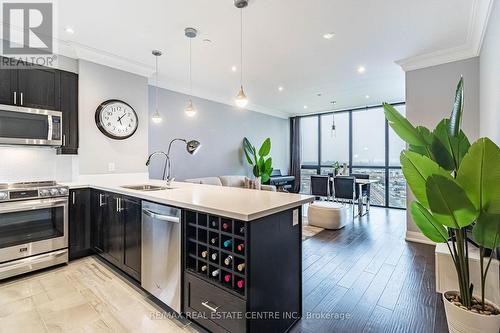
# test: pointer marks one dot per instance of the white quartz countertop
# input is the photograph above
(232, 202)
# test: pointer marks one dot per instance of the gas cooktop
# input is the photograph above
(31, 190)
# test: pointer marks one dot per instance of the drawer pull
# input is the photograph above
(211, 308)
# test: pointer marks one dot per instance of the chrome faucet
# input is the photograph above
(192, 147)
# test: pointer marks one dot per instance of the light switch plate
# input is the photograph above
(295, 217)
(111, 166)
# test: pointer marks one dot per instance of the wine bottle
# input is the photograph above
(214, 224)
(227, 278)
(215, 273)
(214, 256)
(228, 260)
(227, 243)
(226, 226)
(242, 230)
(241, 267)
(204, 254)
(214, 240)
(240, 284)
(241, 247)
(204, 268)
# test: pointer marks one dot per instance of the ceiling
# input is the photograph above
(283, 45)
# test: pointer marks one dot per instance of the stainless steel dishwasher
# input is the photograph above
(161, 253)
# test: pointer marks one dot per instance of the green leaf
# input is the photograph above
(449, 203)
(416, 169)
(486, 231)
(460, 146)
(256, 170)
(424, 220)
(479, 174)
(268, 165)
(441, 146)
(264, 178)
(458, 108)
(403, 128)
(265, 148)
(249, 160)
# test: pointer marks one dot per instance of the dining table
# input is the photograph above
(360, 182)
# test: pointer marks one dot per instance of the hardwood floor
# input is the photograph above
(366, 278)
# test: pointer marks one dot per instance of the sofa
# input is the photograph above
(229, 181)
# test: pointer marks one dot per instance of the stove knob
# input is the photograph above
(54, 191)
(63, 191)
(4, 196)
(44, 193)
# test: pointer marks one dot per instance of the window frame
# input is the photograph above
(385, 167)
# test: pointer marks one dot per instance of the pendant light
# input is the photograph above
(190, 109)
(156, 116)
(333, 133)
(241, 99)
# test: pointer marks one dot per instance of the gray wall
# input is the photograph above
(490, 78)
(429, 98)
(97, 84)
(220, 128)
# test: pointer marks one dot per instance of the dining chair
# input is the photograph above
(365, 193)
(320, 186)
(345, 190)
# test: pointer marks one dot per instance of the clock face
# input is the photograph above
(116, 119)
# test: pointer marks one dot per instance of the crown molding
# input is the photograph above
(478, 23)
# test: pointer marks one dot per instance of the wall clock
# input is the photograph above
(116, 119)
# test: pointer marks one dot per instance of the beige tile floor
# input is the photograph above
(84, 296)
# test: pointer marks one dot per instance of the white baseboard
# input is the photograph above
(417, 237)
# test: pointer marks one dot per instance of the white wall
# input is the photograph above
(490, 78)
(220, 128)
(97, 84)
(429, 98)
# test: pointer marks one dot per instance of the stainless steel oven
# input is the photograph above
(28, 126)
(33, 228)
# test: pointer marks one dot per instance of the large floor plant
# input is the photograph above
(457, 187)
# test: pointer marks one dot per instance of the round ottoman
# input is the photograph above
(328, 215)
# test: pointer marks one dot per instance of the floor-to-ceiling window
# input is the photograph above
(363, 140)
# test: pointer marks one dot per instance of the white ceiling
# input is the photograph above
(283, 45)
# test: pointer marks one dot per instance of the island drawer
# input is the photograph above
(213, 307)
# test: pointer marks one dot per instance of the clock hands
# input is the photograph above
(120, 118)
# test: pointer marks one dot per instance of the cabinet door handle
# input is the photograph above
(117, 205)
(64, 140)
(15, 97)
(73, 198)
(101, 200)
(21, 95)
(211, 308)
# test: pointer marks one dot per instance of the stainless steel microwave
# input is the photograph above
(29, 126)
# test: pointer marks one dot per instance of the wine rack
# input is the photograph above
(215, 250)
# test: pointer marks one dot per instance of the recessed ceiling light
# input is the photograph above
(329, 35)
(305, 106)
(207, 41)
(361, 69)
(69, 30)
(367, 96)
(319, 94)
(280, 88)
(234, 68)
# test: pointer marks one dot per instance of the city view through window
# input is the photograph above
(364, 142)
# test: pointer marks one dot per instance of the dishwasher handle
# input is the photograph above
(161, 217)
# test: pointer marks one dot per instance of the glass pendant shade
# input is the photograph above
(241, 99)
(156, 117)
(190, 109)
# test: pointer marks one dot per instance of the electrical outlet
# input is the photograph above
(111, 166)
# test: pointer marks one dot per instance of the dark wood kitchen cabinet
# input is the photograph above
(69, 108)
(79, 243)
(117, 231)
(8, 85)
(40, 88)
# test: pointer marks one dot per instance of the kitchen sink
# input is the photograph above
(145, 187)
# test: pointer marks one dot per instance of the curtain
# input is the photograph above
(295, 152)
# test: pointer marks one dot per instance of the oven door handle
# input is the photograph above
(18, 206)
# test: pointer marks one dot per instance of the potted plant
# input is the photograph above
(457, 187)
(262, 166)
(336, 168)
